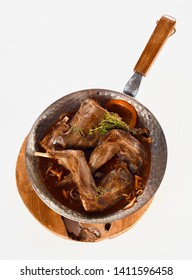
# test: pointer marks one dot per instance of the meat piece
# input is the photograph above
(115, 185)
(60, 128)
(87, 117)
(111, 189)
(75, 162)
(122, 143)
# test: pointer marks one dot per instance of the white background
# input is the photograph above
(51, 48)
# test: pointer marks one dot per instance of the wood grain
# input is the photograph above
(162, 31)
(55, 223)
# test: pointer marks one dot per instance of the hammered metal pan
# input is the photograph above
(72, 101)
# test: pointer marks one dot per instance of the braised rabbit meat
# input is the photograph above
(76, 134)
(93, 161)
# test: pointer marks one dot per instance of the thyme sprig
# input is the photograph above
(79, 130)
(111, 121)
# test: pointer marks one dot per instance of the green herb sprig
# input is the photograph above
(78, 130)
(111, 121)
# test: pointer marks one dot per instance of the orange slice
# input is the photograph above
(125, 110)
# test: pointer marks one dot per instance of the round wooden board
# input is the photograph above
(61, 226)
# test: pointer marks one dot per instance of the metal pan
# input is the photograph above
(71, 102)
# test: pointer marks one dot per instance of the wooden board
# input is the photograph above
(61, 226)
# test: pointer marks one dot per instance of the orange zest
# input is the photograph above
(125, 110)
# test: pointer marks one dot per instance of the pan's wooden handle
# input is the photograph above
(162, 31)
